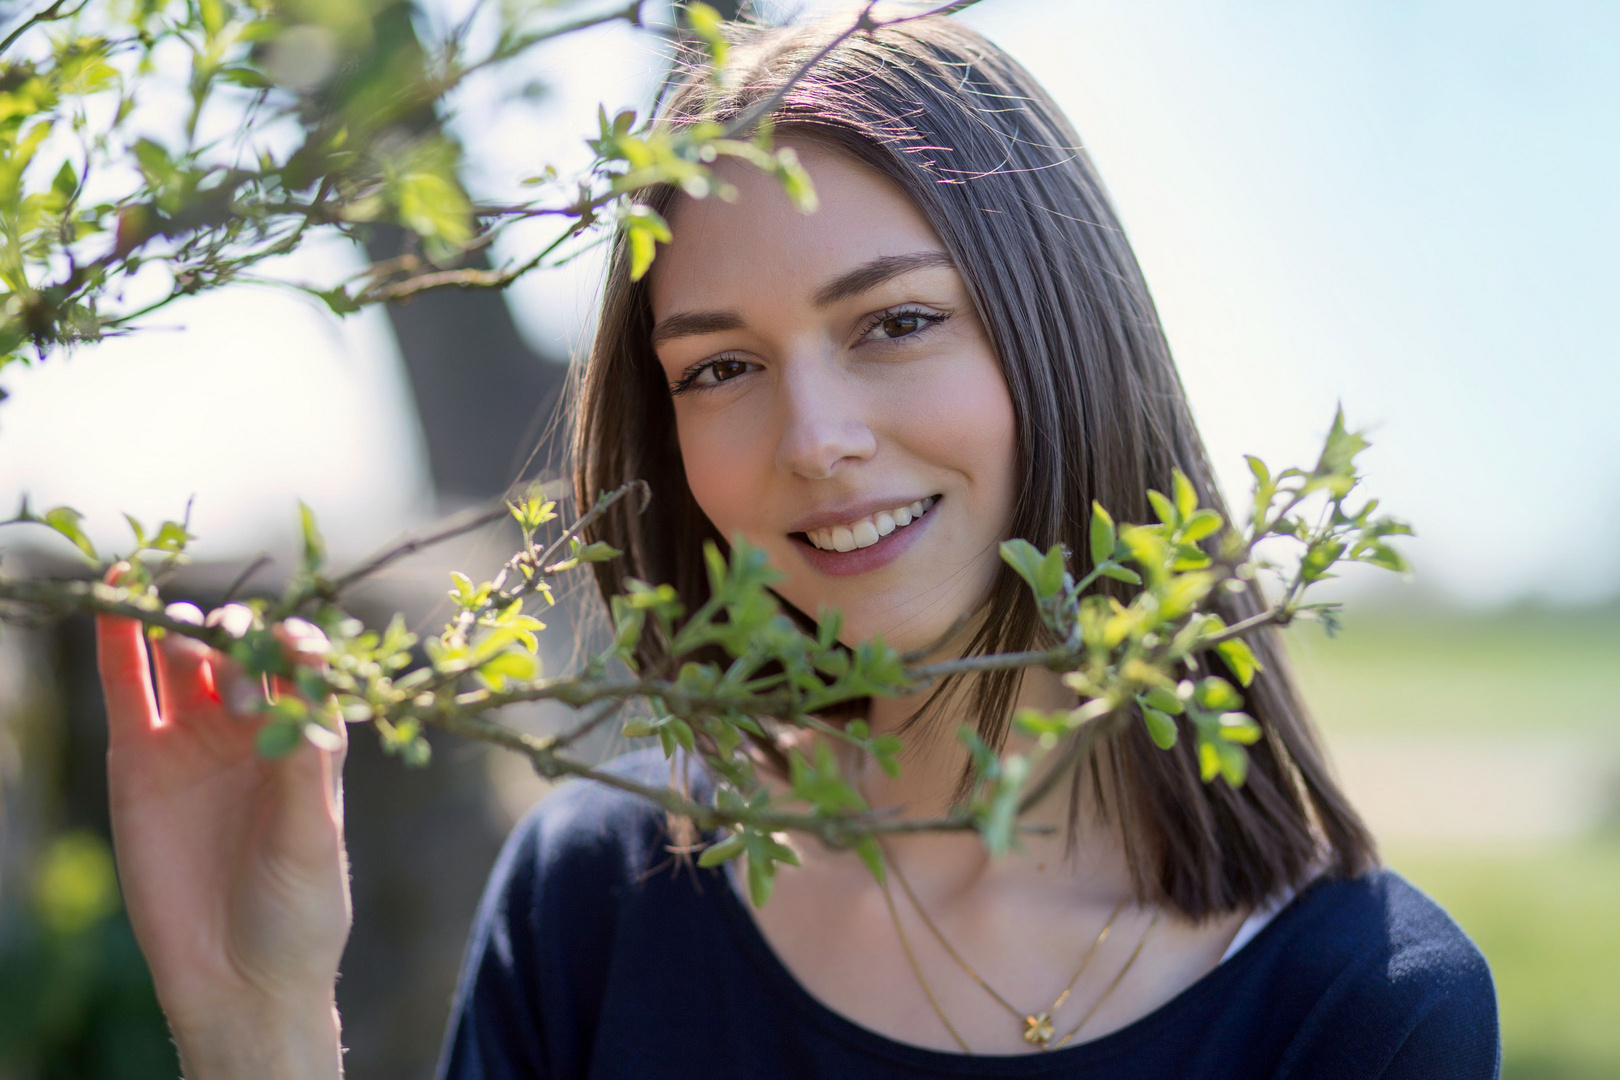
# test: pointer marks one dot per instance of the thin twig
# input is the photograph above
(863, 22)
(49, 14)
(1085, 737)
(242, 579)
(411, 546)
(607, 711)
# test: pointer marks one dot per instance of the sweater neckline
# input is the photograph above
(1063, 1061)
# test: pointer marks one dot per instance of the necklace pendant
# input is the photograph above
(1038, 1030)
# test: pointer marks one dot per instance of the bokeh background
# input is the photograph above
(1409, 208)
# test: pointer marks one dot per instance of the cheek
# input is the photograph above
(724, 461)
(966, 421)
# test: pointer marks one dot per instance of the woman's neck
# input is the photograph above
(931, 767)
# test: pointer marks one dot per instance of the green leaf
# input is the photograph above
(1025, 559)
(65, 520)
(598, 551)
(1319, 559)
(1238, 728)
(1164, 508)
(1160, 726)
(513, 664)
(278, 739)
(66, 181)
(724, 851)
(314, 545)
(171, 537)
(338, 300)
(431, 202)
(1216, 694)
(761, 876)
(708, 24)
(1186, 495)
(1233, 763)
(1049, 574)
(1240, 659)
(138, 529)
(1039, 723)
(1120, 573)
(1001, 820)
(795, 181)
(1200, 524)
(872, 855)
(1103, 538)
(1340, 450)
(644, 228)
(1163, 699)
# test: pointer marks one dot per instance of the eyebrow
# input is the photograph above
(868, 275)
(872, 274)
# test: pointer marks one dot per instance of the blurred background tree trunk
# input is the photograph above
(421, 841)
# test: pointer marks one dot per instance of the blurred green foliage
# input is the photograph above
(1547, 914)
(76, 1001)
(1549, 923)
(156, 149)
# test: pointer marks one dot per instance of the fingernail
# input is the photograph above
(234, 619)
(305, 636)
(184, 612)
(323, 737)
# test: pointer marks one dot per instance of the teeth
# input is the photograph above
(869, 530)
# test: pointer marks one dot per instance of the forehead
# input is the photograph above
(761, 248)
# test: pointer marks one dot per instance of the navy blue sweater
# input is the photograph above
(590, 958)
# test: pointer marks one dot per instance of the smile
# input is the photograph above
(868, 530)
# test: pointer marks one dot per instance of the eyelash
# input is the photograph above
(688, 380)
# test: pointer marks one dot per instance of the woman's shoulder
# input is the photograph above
(1387, 923)
(1386, 972)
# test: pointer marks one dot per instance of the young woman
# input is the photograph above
(958, 347)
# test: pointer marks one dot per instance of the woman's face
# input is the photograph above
(837, 400)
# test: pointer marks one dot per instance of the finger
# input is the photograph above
(243, 696)
(235, 619)
(185, 671)
(333, 743)
(126, 678)
(308, 787)
(305, 642)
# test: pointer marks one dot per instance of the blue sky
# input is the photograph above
(1411, 208)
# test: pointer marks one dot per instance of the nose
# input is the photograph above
(824, 426)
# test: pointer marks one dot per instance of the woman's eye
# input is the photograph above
(722, 370)
(710, 373)
(900, 324)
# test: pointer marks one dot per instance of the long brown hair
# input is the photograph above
(999, 173)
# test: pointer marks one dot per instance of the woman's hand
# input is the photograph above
(232, 866)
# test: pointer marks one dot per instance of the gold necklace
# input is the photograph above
(1038, 1030)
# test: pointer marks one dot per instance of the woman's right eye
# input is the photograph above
(724, 369)
(710, 373)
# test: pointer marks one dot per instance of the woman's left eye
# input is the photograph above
(889, 325)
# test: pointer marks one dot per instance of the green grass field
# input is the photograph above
(1549, 923)
(1547, 917)
(1514, 671)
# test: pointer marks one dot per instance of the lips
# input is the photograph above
(865, 531)
(883, 549)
